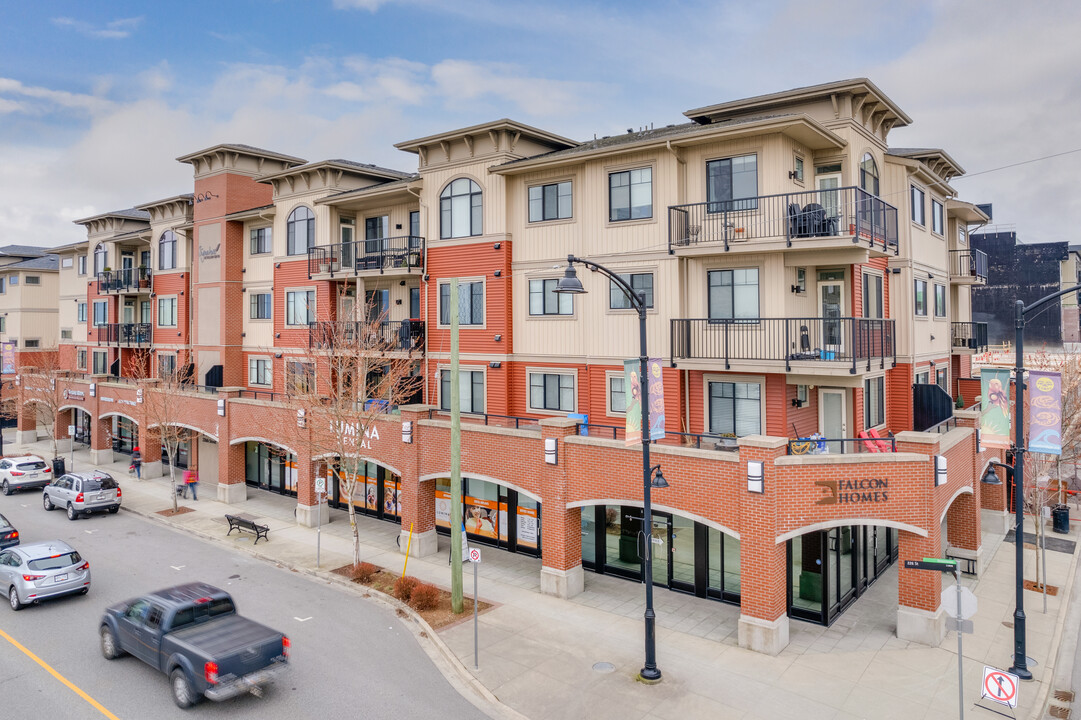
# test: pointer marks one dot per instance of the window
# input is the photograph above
(414, 303)
(101, 312)
(30, 344)
(13, 280)
(874, 395)
(259, 372)
(82, 264)
(550, 202)
(414, 223)
(259, 306)
(641, 283)
(3, 324)
(936, 217)
(630, 195)
(735, 408)
(470, 390)
(802, 394)
(942, 379)
(798, 169)
(299, 307)
(923, 378)
(3, 289)
(732, 184)
(551, 391)
(67, 262)
(961, 237)
(100, 259)
(80, 310)
(470, 303)
(461, 209)
(918, 211)
(544, 300)
(261, 240)
(33, 279)
(376, 228)
(167, 312)
(65, 334)
(921, 298)
(940, 301)
(733, 294)
(299, 376)
(166, 366)
(101, 363)
(872, 296)
(300, 231)
(869, 174)
(617, 394)
(167, 251)
(80, 359)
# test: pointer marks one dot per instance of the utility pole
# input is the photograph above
(455, 459)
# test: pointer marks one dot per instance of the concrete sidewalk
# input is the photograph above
(538, 653)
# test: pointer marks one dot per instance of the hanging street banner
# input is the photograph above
(633, 386)
(995, 407)
(8, 355)
(1045, 412)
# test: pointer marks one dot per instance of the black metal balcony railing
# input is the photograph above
(386, 335)
(810, 339)
(125, 280)
(126, 333)
(968, 264)
(841, 212)
(971, 335)
(406, 252)
(931, 406)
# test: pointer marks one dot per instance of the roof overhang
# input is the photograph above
(267, 211)
(495, 126)
(182, 199)
(335, 167)
(966, 212)
(920, 171)
(70, 247)
(232, 149)
(375, 194)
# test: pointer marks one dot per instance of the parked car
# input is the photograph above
(83, 493)
(9, 536)
(32, 573)
(193, 634)
(24, 473)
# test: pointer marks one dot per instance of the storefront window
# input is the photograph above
(528, 524)
(589, 537)
(806, 572)
(622, 528)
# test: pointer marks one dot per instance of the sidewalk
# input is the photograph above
(538, 653)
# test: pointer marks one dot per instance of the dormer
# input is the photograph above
(497, 142)
(118, 222)
(329, 176)
(238, 159)
(176, 209)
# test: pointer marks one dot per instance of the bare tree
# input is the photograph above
(353, 372)
(163, 409)
(39, 383)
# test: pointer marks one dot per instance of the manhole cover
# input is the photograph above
(1064, 695)
(604, 667)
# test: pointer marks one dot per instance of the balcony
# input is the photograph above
(386, 336)
(125, 280)
(969, 337)
(396, 254)
(819, 219)
(810, 344)
(126, 333)
(968, 267)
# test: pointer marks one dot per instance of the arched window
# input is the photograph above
(100, 258)
(167, 250)
(300, 231)
(869, 174)
(460, 209)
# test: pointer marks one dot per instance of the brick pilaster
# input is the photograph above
(561, 527)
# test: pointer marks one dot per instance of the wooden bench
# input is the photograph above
(239, 523)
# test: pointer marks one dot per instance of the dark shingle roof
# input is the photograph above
(23, 250)
(47, 262)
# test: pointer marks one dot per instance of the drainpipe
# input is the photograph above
(423, 274)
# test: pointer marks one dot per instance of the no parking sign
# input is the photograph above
(1000, 686)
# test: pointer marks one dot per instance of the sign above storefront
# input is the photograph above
(851, 492)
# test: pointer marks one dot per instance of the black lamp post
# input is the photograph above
(570, 283)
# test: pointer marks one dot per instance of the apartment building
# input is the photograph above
(803, 280)
(28, 302)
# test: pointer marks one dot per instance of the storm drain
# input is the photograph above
(1059, 712)
(604, 667)
(1064, 695)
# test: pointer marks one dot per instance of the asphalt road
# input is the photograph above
(350, 657)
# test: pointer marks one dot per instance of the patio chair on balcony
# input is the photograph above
(805, 351)
(817, 224)
(796, 225)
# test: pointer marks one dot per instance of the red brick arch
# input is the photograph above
(845, 522)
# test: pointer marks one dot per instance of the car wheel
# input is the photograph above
(183, 694)
(110, 648)
(13, 599)
(72, 515)
(47, 502)
(6, 489)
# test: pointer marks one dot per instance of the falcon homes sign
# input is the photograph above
(853, 491)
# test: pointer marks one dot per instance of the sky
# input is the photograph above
(98, 99)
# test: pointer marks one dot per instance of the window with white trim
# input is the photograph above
(919, 215)
(921, 298)
(166, 365)
(101, 312)
(259, 372)
(470, 303)
(80, 311)
(550, 202)
(65, 334)
(80, 359)
(299, 376)
(923, 377)
(33, 279)
(630, 195)
(641, 283)
(299, 307)
(259, 306)
(942, 378)
(82, 268)
(874, 401)
(470, 390)
(167, 250)
(67, 262)
(461, 209)
(936, 217)
(544, 300)
(261, 241)
(872, 296)
(551, 391)
(617, 394)
(732, 184)
(940, 301)
(735, 408)
(101, 258)
(167, 312)
(733, 294)
(33, 344)
(101, 362)
(300, 231)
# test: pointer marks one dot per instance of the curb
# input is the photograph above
(441, 655)
(1056, 641)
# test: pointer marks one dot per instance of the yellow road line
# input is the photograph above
(71, 686)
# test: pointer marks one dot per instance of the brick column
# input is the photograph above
(101, 443)
(417, 498)
(561, 527)
(231, 472)
(150, 449)
(763, 619)
(964, 519)
(63, 419)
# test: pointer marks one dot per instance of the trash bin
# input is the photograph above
(1060, 519)
(58, 467)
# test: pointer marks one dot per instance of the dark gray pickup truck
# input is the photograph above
(193, 634)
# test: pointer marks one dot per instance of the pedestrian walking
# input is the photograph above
(137, 463)
(191, 482)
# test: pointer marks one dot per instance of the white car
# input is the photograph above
(24, 473)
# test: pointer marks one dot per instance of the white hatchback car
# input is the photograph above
(24, 473)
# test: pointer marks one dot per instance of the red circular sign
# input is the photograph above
(1000, 686)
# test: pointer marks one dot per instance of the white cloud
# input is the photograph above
(113, 30)
(464, 83)
(370, 5)
(41, 99)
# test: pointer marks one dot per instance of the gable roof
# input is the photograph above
(45, 262)
(23, 250)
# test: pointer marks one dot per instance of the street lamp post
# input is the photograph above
(570, 283)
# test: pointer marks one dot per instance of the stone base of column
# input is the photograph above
(231, 494)
(308, 515)
(562, 583)
(769, 637)
(976, 556)
(422, 545)
(152, 470)
(101, 457)
(25, 437)
(995, 521)
(922, 626)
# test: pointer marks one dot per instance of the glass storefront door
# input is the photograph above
(660, 545)
(269, 469)
(492, 515)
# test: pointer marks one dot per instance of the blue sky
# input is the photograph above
(97, 99)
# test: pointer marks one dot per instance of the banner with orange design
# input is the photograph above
(1045, 412)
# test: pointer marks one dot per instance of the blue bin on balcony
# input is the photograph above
(829, 354)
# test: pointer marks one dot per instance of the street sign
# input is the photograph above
(320, 484)
(1000, 686)
(968, 601)
(71, 430)
(961, 626)
(474, 555)
(931, 564)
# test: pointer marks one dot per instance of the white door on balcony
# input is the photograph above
(831, 301)
(832, 417)
(129, 311)
(829, 194)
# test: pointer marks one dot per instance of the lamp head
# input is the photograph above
(657, 481)
(570, 283)
(990, 477)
